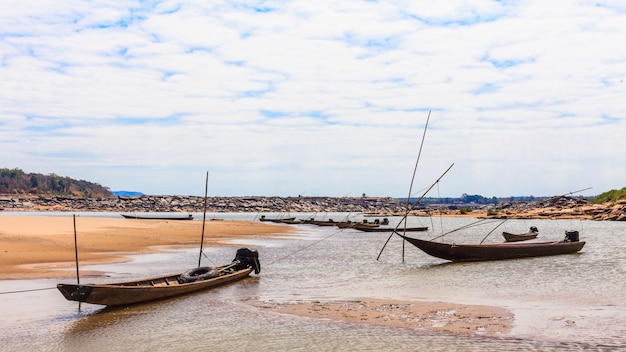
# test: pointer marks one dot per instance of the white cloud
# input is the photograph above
(321, 98)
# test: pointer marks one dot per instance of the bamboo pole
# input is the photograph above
(206, 191)
(408, 199)
(76, 250)
(395, 230)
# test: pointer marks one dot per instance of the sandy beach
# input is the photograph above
(34, 247)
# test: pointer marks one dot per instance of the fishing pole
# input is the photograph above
(412, 207)
(408, 199)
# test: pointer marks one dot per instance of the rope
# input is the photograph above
(303, 248)
(32, 290)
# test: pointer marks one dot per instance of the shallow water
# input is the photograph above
(561, 303)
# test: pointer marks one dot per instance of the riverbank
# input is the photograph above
(43, 247)
(554, 208)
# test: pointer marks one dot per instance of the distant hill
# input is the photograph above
(16, 182)
(610, 196)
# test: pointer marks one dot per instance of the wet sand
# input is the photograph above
(419, 315)
(39, 246)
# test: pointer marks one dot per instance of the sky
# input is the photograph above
(317, 98)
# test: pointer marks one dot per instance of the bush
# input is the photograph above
(610, 196)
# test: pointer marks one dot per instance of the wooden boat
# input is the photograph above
(390, 229)
(498, 251)
(516, 237)
(329, 222)
(350, 224)
(158, 217)
(133, 292)
(364, 225)
(277, 220)
(289, 221)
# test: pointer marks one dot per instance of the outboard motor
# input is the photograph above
(571, 236)
(248, 258)
(533, 229)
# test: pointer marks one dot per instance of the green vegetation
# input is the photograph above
(465, 210)
(610, 196)
(17, 182)
(492, 212)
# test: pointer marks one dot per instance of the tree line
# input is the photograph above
(17, 182)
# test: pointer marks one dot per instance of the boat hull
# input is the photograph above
(389, 229)
(133, 292)
(514, 237)
(168, 217)
(498, 251)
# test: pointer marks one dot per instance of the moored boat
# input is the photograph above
(158, 217)
(278, 220)
(498, 251)
(155, 288)
(516, 237)
(390, 229)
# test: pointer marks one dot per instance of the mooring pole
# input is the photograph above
(76, 251)
(206, 191)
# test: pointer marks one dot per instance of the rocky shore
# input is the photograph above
(196, 204)
(553, 208)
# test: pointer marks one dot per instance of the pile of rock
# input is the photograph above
(563, 208)
(196, 204)
(553, 208)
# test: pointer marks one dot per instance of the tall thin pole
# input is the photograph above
(206, 192)
(76, 251)
(395, 230)
(408, 199)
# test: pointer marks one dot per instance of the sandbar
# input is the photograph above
(442, 317)
(33, 247)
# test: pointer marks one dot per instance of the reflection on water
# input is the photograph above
(562, 303)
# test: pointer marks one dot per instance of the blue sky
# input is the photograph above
(317, 97)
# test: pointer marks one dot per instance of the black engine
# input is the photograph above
(247, 258)
(571, 236)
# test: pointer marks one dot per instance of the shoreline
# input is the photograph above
(37, 247)
(560, 207)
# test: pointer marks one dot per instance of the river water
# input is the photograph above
(562, 303)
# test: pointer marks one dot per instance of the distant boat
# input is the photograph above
(515, 237)
(159, 217)
(278, 220)
(329, 222)
(363, 225)
(498, 251)
(390, 229)
(145, 290)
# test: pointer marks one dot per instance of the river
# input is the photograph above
(571, 302)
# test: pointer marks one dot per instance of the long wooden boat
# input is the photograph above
(158, 217)
(353, 224)
(363, 225)
(145, 290)
(495, 251)
(516, 237)
(389, 229)
(277, 220)
(329, 222)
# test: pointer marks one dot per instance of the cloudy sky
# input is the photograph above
(317, 97)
